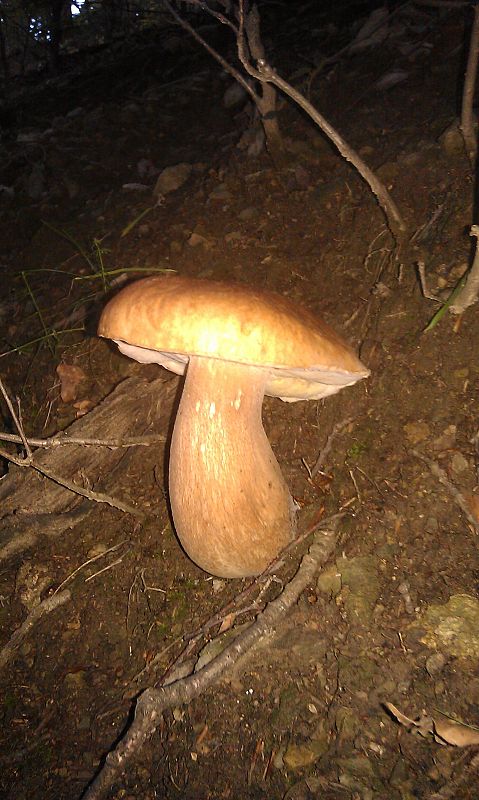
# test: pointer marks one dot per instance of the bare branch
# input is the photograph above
(468, 122)
(97, 497)
(440, 474)
(153, 702)
(226, 66)
(16, 420)
(29, 462)
(62, 439)
(264, 72)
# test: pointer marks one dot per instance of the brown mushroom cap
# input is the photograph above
(166, 319)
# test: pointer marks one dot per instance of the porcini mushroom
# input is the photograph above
(231, 507)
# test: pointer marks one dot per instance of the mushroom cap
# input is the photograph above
(167, 319)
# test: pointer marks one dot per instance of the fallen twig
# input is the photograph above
(468, 120)
(97, 497)
(192, 637)
(60, 440)
(440, 474)
(265, 73)
(90, 561)
(17, 638)
(29, 462)
(29, 528)
(153, 702)
(246, 32)
(340, 426)
(427, 293)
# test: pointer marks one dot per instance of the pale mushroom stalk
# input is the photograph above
(230, 503)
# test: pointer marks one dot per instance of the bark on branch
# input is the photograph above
(153, 702)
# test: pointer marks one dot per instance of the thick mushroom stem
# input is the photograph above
(231, 507)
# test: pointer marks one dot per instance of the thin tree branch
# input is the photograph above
(29, 462)
(226, 66)
(468, 122)
(60, 440)
(265, 72)
(153, 702)
(97, 497)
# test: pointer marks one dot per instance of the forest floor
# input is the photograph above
(393, 618)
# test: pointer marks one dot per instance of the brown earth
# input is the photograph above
(304, 717)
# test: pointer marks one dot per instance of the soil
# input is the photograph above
(393, 617)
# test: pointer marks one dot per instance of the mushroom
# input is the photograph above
(231, 507)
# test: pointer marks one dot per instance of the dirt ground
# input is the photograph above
(393, 617)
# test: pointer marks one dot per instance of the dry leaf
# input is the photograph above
(70, 379)
(442, 729)
(455, 733)
(424, 725)
(83, 407)
(227, 622)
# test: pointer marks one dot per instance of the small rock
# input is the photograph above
(303, 755)
(35, 186)
(196, 239)
(356, 766)
(447, 439)
(459, 463)
(146, 168)
(172, 178)
(252, 141)
(300, 791)
(451, 140)
(302, 176)
(329, 582)
(234, 236)
(220, 192)
(98, 549)
(291, 702)
(360, 576)
(30, 582)
(416, 432)
(135, 187)
(461, 374)
(390, 79)
(435, 664)
(30, 137)
(235, 95)
(431, 525)
(347, 724)
(84, 723)
(388, 171)
(452, 627)
(75, 680)
(410, 159)
(247, 214)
